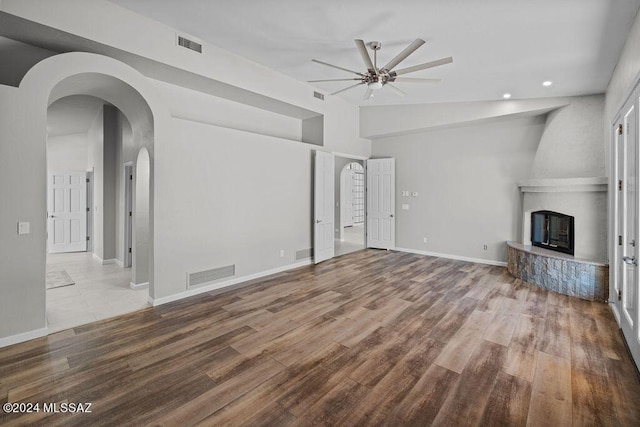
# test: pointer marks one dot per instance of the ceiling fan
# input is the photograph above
(376, 78)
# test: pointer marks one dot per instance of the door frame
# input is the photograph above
(129, 180)
(353, 159)
(90, 191)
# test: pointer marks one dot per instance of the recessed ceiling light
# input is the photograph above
(547, 83)
(506, 96)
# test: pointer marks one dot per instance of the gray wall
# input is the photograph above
(572, 146)
(112, 140)
(466, 178)
(95, 161)
(67, 152)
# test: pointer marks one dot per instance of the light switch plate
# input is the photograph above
(405, 207)
(24, 227)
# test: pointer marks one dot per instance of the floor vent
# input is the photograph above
(318, 95)
(189, 44)
(203, 277)
(304, 254)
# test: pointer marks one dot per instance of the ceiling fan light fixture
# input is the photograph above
(375, 85)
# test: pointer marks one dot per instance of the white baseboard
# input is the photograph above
(208, 288)
(136, 286)
(120, 263)
(25, 336)
(615, 312)
(456, 257)
(104, 261)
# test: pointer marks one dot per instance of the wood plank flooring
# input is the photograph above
(369, 338)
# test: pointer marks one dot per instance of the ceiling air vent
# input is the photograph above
(189, 44)
(318, 95)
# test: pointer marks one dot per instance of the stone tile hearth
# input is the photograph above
(558, 272)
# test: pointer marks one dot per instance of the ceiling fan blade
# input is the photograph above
(424, 66)
(332, 80)
(394, 89)
(368, 94)
(404, 54)
(347, 88)
(339, 68)
(365, 56)
(415, 80)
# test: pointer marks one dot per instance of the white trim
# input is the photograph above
(25, 336)
(191, 292)
(456, 257)
(350, 156)
(105, 261)
(136, 286)
(564, 185)
(120, 263)
(614, 310)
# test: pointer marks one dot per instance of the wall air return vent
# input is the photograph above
(189, 44)
(318, 95)
(204, 277)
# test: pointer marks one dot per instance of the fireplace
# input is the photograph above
(552, 230)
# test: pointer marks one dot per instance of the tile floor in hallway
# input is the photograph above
(100, 291)
(353, 240)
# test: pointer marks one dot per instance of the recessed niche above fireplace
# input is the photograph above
(552, 230)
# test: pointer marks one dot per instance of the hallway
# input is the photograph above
(99, 292)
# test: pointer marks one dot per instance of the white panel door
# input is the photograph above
(346, 196)
(323, 245)
(67, 210)
(629, 283)
(381, 202)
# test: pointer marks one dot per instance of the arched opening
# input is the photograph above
(350, 202)
(111, 272)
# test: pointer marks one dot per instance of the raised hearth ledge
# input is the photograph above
(558, 272)
(553, 254)
(567, 185)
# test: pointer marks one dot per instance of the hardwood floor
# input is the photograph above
(370, 338)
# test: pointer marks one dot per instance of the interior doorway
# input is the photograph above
(350, 205)
(91, 281)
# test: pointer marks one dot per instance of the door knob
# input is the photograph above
(630, 260)
(52, 216)
(391, 215)
(318, 221)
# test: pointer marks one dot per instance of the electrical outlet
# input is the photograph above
(281, 253)
(424, 240)
(485, 247)
(405, 207)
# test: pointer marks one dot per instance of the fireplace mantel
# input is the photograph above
(559, 185)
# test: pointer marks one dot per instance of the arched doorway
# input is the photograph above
(23, 306)
(100, 283)
(350, 197)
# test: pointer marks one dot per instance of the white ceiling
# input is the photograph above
(498, 46)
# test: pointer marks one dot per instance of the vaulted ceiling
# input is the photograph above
(498, 46)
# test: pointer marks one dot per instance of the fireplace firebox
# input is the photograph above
(552, 230)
